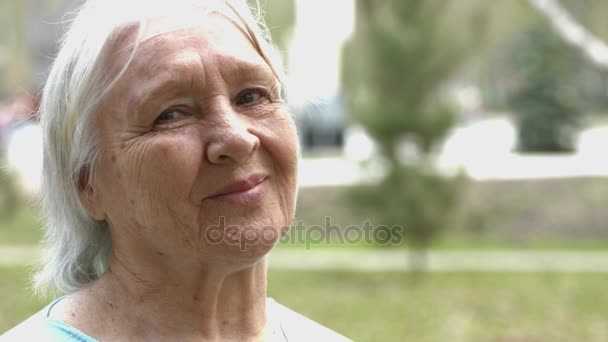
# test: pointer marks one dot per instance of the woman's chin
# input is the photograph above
(244, 247)
(257, 251)
(237, 259)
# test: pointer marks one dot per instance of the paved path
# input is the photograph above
(397, 260)
(19, 255)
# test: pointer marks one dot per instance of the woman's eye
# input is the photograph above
(170, 115)
(250, 97)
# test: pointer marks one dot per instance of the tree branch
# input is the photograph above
(573, 32)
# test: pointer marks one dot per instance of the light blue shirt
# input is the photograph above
(62, 332)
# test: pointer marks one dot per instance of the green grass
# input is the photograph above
(398, 307)
(450, 306)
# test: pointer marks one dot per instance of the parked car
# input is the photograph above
(321, 123)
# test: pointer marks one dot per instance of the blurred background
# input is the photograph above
(453, 181)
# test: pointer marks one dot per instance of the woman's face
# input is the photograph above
(199, 156)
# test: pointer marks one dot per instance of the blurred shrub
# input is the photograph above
(401, 55)
(419, 202)
(547, 112)
(9, 195)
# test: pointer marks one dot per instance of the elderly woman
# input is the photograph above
(170, 166)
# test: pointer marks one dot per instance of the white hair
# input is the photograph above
(77, 247)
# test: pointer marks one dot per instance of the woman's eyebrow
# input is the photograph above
(175, 79)
(160, 85)
(241, 70)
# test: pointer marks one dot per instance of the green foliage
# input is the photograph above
(402, 53)
(591, 14)
(280, 18)
(422, 203)
(495, 68)
(9, 196)
(547, 112)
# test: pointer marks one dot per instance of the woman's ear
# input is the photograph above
(89, 197)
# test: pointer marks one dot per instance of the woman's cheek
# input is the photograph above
(280, 132)
(167, 165)
(282, 147)
(287, 139)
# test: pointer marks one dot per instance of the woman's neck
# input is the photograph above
(210, 302)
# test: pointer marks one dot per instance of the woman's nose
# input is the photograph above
(232, 141)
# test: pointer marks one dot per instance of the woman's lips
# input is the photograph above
(242, 191)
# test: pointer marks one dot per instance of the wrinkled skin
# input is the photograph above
(155, 173)
(197, 109)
